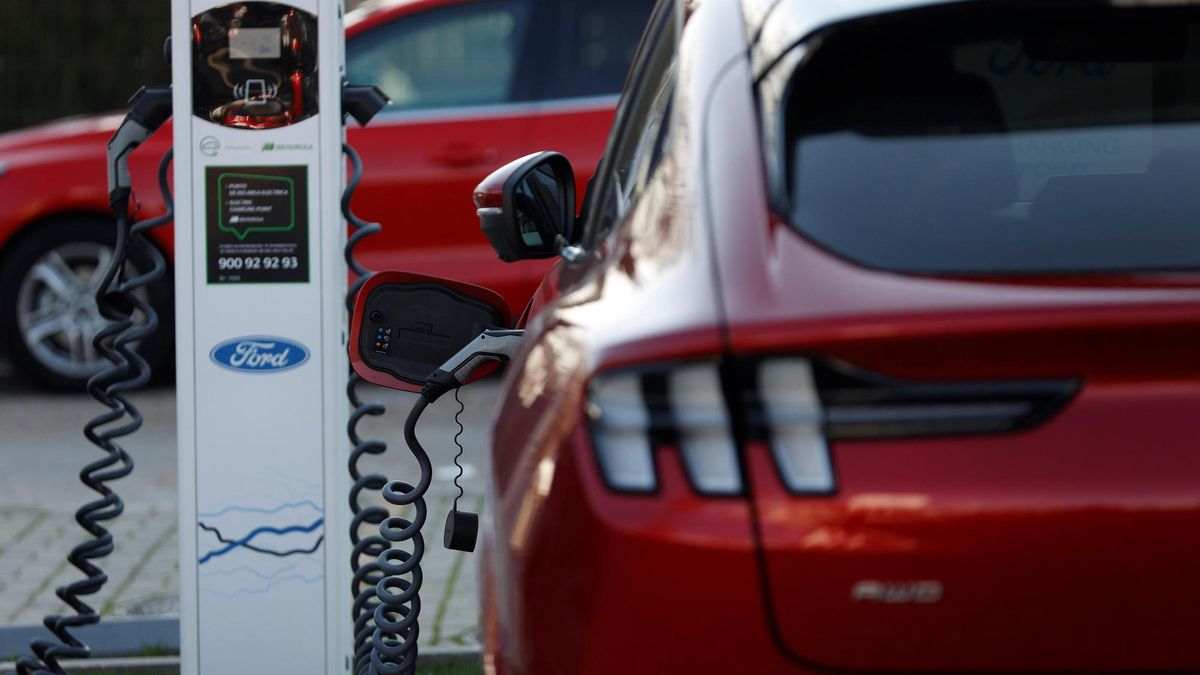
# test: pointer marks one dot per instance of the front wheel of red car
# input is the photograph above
(48, 312)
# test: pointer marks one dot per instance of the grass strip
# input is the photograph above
(138, 567)
(42, 587)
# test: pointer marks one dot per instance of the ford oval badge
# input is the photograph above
(259, 354)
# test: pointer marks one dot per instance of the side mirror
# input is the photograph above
(406, 325)
(526, 205)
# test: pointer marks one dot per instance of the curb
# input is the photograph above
(147, 666)
(116, 642)
(441, 656)
(112, 637)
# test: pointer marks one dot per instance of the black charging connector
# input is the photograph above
(150, 109)
(363, 102)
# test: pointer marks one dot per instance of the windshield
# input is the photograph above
(958, 143)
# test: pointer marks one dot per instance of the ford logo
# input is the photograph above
(259, 354)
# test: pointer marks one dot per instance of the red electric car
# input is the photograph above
(875, 350)
(474, 84)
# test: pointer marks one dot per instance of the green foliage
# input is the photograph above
(158, 650)
(68, 57)
(71, 57)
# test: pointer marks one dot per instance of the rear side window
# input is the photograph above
(642, 129)
(465, 55)
(950, 142)
(598, 39)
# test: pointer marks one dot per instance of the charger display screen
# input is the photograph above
(255, 43)
(254, 65)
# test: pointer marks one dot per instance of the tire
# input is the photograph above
(47, 302)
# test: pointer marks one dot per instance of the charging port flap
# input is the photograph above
(406, 325)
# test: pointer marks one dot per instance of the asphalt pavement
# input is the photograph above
(42, 449)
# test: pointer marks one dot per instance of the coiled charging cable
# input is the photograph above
(394, 643)
(362, 103)
(366, 549)
(119, 302)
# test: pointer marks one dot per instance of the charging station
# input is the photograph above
(261, 205)
(262, 368)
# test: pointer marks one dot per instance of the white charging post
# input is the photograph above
(262, 368)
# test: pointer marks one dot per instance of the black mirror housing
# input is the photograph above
(525, 206)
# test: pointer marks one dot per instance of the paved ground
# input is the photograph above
(42, 450)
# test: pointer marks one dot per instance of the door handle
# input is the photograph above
(462, 155)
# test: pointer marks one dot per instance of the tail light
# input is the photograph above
(796, 405)
(682, 406)
(704, 434)
(789, 410)
(621, 433)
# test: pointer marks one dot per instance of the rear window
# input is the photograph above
(953, 142)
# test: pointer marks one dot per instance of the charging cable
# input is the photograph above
(394, 644)
(118, 300)
(362, 103)
(366, 550)
(462, 527)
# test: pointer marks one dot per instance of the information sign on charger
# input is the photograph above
(257, 224)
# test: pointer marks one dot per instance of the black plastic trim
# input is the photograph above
(373, 304)
(859, 405)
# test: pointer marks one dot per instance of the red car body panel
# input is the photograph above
(59, 168)
(1018, 529)
(420, 167)
(1064, 548)
(424, 229)
(578, 579)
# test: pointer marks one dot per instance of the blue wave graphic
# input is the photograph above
(266, 589)
(262, 530)
(250, 570)
(246, 509)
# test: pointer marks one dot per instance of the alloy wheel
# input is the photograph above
(56, 307)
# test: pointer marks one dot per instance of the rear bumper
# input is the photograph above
(1069, 548)
(1065, 548)
(584, 581)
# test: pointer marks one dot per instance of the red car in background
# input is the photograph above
(474, 83)
(876, 350)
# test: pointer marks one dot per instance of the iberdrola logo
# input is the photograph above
(280, 147)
